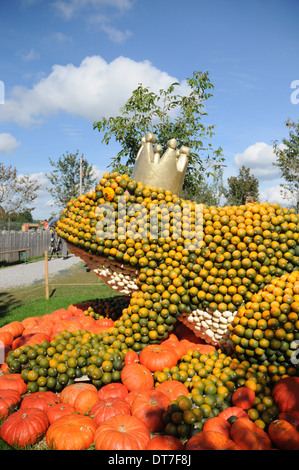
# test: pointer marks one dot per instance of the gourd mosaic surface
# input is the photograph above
(228, 275)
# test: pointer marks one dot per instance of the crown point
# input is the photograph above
(185, 150)
(157, 152)
(150, 138)
(172, 143)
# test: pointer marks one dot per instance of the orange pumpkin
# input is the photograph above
(233, 411)
(71, 392)
(149, 407)
(9, 400)
(105, 322)
(16, 328)
(243, 397)
(105, 409)
(137, 377)
(208, 440)
(58, 410)
(113, 390)
(71, 432)
(24, 427)
(172, 389)
(131, 358)
(13, 381)
(6, 338)
(284, 435)
(217, 424)
(122, 432)
(165, 442)
(286, 394)
(85, 401)
(291, 416)
(30, 339)
(248, 436)
(40, 400)
(173, 342)
(156, 357)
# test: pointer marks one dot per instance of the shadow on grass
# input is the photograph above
(7, 302)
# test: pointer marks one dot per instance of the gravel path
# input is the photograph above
(27, 274)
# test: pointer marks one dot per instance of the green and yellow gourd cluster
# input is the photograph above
(241, 250)
(237, 289)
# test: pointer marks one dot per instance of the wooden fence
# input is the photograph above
(37, 242)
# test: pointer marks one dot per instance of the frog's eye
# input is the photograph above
(108, 193)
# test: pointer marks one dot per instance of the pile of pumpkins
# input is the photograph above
(75, 392)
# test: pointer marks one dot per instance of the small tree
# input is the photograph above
(17, 193)
(288, 162)
(167, 115)
(65, 178)
(240, 186)
(209, 191)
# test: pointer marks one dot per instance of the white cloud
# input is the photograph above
(259, 157)
(97, 12)
(272, 195)
(8, 143)
(61, 37)
(91, 90)
(69, 8)
(31, 55)
(114, 34)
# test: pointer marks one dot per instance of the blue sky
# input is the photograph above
(66, 63)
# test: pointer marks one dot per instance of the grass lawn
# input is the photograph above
(77, 285)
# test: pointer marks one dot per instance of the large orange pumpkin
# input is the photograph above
(113, 390)
(122, 432)
(85, 401)
(30, 339)
(40, 400)
(248, 436)
(71, 392)
(137, 377)
(291, 416)
(284, 435)
(172, 389)
(9, 400)
(165, 442)
(24, 427)
(173, 342)
(233, 411)
(149, 407)
(208, 440)
(156, 357)
(14, 382)
(71, 432)
(6, 338)
(105, 409)
(58, 410)
(131, 358)
(217, 424)
(16, 328)
(286, 394)
(243, 397)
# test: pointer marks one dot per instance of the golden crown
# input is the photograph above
(166, 171)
